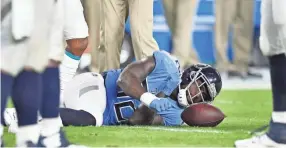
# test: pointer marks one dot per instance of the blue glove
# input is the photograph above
(160, 104)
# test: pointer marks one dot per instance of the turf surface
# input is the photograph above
(246, 110)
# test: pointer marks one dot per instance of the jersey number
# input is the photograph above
(121, 105)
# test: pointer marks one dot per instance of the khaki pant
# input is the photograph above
(113, 18)
(92, 10)
(239, 14)
(179, 15)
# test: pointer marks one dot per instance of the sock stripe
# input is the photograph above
(72, 55)
(279, 117)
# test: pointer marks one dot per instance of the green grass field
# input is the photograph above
(246, 110)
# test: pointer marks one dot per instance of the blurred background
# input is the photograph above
(204, 40)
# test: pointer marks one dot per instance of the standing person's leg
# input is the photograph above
(10, 67)
(182, 44)
(242, 35)
(224, 15)
(50, 125)
(113, 17)
(92, 9)
(243, 38)
(273, 45)
(27, 88)
(170, 7)
(141, 21)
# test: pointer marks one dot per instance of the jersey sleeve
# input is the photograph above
(172, 116)
(169, 67)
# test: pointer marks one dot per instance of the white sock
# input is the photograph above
(50, 126)
(68, 69)
(279, 117)
(27, 133)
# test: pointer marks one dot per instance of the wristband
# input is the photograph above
(147, 98)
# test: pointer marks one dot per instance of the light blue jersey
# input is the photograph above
(165, 78)
(119, 107)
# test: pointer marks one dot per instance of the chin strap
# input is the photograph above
(182, 98)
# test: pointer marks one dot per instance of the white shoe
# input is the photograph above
(262, 141)
(57, 140)
(11, 120)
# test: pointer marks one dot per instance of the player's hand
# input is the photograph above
(160, 104)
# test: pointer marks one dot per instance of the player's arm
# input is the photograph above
(133, 75)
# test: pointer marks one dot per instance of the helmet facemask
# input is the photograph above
(184, 95)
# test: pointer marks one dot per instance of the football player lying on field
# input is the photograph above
(147, 92)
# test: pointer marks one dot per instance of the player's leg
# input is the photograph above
(84, 94)
(72, 117)
(71, 59)
(273, 45)
(9, 66)
(51, 123)
(49, 107)
(51, 133)
(141, 22)
(27, 84)
(8, 71)
(27, 112)
(75, 34)
(6, 87)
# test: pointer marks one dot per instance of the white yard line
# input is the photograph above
(185, 130)
(188, 130)
(222, 101)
